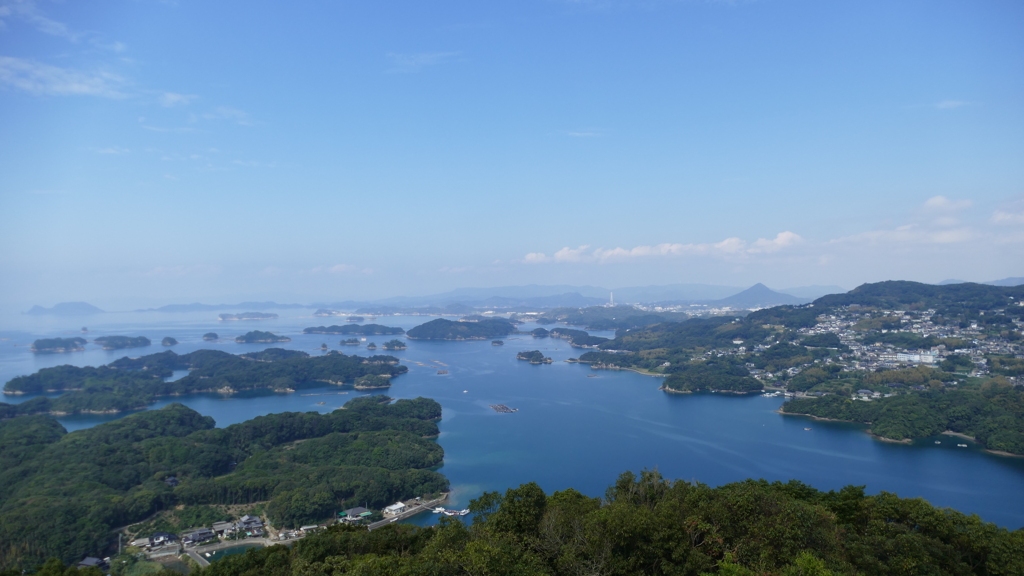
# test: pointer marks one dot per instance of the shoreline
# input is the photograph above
(907, 440)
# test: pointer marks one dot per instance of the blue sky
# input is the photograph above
(157, 152)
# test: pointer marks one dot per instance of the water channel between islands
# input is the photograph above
(569, 430)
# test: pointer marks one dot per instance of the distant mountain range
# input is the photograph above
(759, 296)
(66, 309)
(513, 297)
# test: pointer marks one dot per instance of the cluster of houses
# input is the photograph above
(248, 526)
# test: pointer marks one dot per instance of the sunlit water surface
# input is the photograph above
(571, 429)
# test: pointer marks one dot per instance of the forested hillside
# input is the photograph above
(61, 494)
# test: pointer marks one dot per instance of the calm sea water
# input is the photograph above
(570, 430)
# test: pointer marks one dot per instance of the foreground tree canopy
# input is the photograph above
(647, 525)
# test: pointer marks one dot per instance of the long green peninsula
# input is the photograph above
(128, 384)
(62, 494)
(442, 329)
(58, 345)
(261, 337)
(364, 330)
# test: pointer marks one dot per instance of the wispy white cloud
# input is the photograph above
(38, 78)
(26, 10)
(1012, 213)
(229, 114)
(414, 62)
(729, 248)
(951, 104)
(943, 204)
(171, 99)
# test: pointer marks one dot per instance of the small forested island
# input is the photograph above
(58, 345)
(324, 312)
(119, 342)
(371, 346)
(168, 341)
(442, 329)
(63, 494)
(395, 344)
(211, 336)
(367, 330)
(533, 357)
(248, 316)
(260, 337)
(130, 384)
(355, 319)
(497, 343)
(350, 342)
(646, 524)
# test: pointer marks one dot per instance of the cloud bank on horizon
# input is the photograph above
(174, 151)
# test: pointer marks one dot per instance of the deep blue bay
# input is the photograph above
(570, 430)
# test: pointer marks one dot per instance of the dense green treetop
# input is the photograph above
(210, 336)
(647, 525)
(720, 374)
(365, 330)
(58, 344)
(442, 329)
(168, 341)
(259, 336)
(119, 342)
(394, 344)
(533, 357)
(61, 494)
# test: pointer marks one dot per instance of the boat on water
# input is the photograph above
(806, 428)
(438, 510)
(456, 512)
(961, 445)
(937, 442)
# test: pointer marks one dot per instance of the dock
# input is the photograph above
(502, 409)
(409, 512)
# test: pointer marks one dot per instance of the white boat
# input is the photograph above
(463, 512)
(438, 510)
(962, 445)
